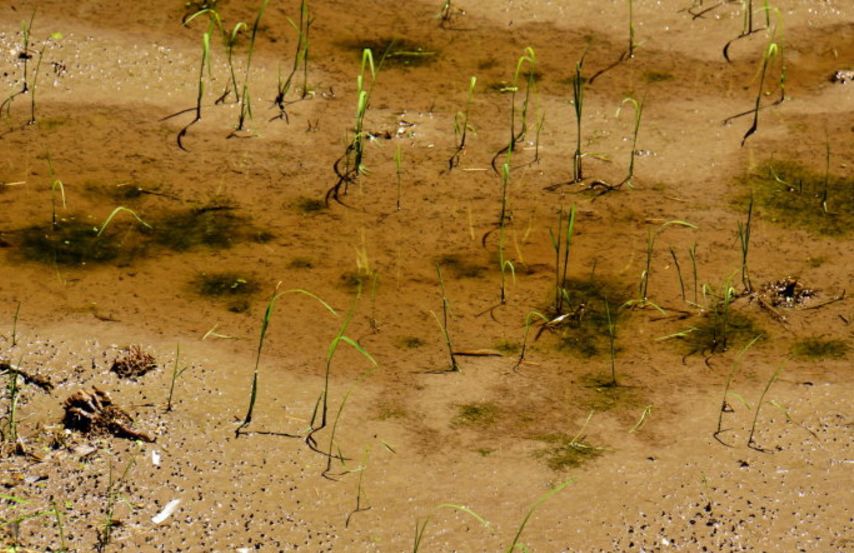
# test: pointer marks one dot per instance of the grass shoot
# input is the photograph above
(177, 371)
(725, 406)
(24, 55)
(301, 56)
(751, 443)
(245, 98)
(744, 242)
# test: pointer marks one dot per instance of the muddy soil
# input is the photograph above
(728, 427)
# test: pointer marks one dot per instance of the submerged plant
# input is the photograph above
(578, 107)
(176, 374)
(200, 91)
(462, 127)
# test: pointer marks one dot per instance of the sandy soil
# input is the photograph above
(414, 443)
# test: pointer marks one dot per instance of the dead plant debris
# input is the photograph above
(95, 413)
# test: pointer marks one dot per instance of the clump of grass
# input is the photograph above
(478, 415)
(795, 196)
(817, 347)
(396, 51)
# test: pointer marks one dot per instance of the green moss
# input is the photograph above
(224, 284)
(310, 205)
(411, 342)
(301, 263)
(476, 415)
(601, 395)
(507, 347)
(395, 51)
(657, 76)
(214, 226)
(719, 330)
(820, 348)
(460, 267)
(73, 243)
(585, 331)
(792, 195)
(564, 452)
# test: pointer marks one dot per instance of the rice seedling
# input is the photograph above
(353, 157)
(643, 297)
(177, 371)
(744, 243)
(204, 63)
(578, 108)
(104, 534)
(322, 404)
(637, 107)
(528, 63)
(55, 37)
(748, 27)
(301, 56)
(751, 443)
(55, 185)
(230, 40)
(445, 13)
(10, 433)
(504, 264)
(562, 242)
(612, 339)
(112, 215)
(630, 51)
(647, 411)
(515, 544)
(265, 325)
(421, 526)
(245, 98)
(443, 323)
(725, 406)
(678, 273)
(15, 324)
(398, 159)
(361, 470)
(24, 55)
(772, 57)
(529, 323)
(16, 520)
(462, 126)
(692, 253)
